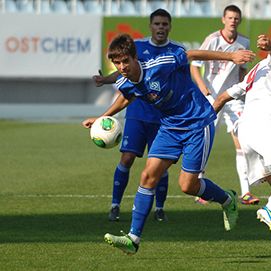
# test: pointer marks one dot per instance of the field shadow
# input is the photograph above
(194, 225)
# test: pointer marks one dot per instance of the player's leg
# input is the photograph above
(196, 151)
(258, 157)
(231, 115)
(241, 166)
(255, 146)
(121, 178)
(217, 124)
(164, 151)
(132, 145)
(150, 176)
(161, 196)
(142, 206)
(151, 130)
(264, 214)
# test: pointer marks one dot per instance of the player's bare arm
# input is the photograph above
(221, 100)
(195, 71)
(264, 42)
(101, 80)
(238, 57)
(120, 103)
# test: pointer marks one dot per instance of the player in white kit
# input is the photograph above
(254, 125)
(220, 75)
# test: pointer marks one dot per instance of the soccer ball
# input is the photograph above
(106, 132)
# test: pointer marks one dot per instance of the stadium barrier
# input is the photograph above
(49, 59)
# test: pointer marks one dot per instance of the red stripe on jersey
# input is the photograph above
(251, 77)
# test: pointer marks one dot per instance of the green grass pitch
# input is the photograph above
(55, 196)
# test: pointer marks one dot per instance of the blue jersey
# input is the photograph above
(165, 82)
(147, 50)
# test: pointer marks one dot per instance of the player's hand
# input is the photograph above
(88, 122)
(243, 56)
(99, 79)
(264, 43)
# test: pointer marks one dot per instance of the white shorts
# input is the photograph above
(256, 146)
(231, 112)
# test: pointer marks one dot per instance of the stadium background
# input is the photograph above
(49, 53)
(55, 185)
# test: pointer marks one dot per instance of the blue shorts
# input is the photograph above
(136, 135)
(194, 145)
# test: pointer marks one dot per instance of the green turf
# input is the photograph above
(54, 198)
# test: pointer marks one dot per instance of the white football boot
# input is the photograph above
(264, 215)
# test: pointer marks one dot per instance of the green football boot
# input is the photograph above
(230, 212)
(123, 243)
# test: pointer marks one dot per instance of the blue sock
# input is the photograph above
(142, 206)
(212, 192)
(121, 178)
(161, 191)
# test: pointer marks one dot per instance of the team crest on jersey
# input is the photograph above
(155, 86)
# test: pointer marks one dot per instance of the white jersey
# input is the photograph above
(257, 88)
(220, 75)
(254, 128)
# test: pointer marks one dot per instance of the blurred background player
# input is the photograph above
(254, 126)
(220, 75)
(142, 120)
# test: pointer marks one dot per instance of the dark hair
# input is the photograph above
(232, 8)
(160, 12)
(122, 45)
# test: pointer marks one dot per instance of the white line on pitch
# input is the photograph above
(74, 196)
(89, 196)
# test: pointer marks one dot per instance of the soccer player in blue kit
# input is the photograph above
(142, 120)
(186, 129)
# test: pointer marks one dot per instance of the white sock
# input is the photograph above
(241, 167)
(134, 238)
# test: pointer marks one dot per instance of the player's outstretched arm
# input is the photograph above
(238, 57)
(264, 42)
(242, 56)
(120, 103)
(221, 100)
(101, 80)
